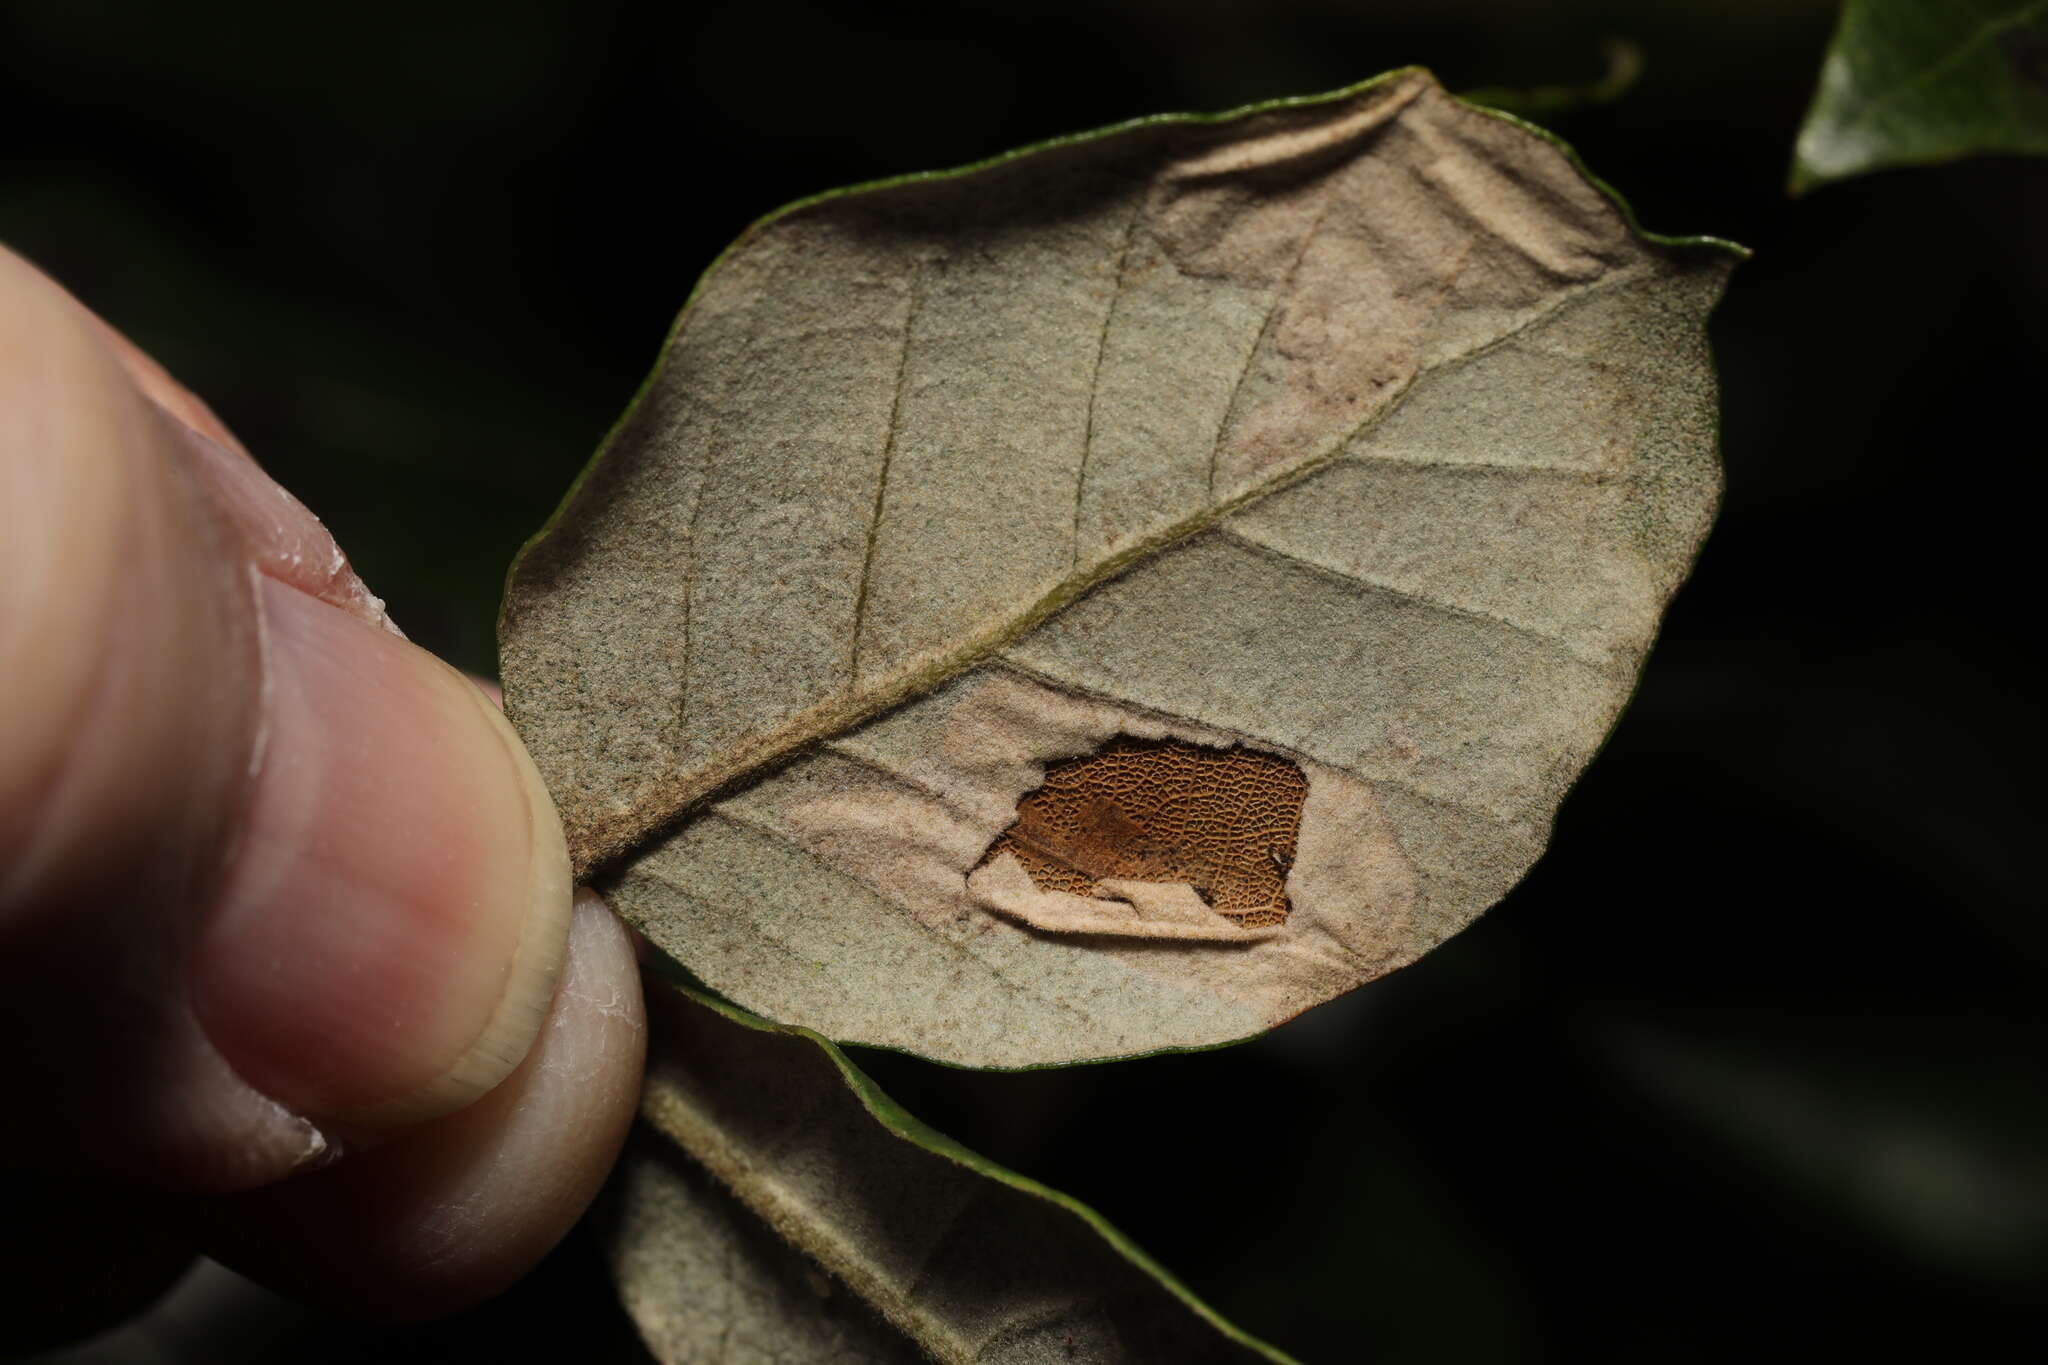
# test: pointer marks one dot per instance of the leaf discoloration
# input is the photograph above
(1365, 433)
(1223, 822)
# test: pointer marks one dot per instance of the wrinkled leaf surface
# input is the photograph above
(1364, 435)
(783, 1208)
(1907, 82)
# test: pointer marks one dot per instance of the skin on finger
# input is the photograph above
(284, 541)
(250, 835)
(453, 1211)
(94, 503)
(287, 542)
(157, 385)
(385, 946)
(128, 639)
(268, 874)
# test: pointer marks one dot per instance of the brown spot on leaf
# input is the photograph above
(1223, 821)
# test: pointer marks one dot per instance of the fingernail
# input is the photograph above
(442, 1216)
(397, 908)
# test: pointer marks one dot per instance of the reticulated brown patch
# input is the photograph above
(1223, 821)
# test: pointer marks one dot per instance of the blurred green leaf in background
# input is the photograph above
(1910, 82)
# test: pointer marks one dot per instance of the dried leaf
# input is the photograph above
(1911, 82)
(1361, 437)
(924, 1241)
(704, 1279)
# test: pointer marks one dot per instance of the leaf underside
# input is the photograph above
(1909, 82)
(778, 1206)
(1365, 434)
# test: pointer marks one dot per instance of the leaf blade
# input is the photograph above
(1908, 84)
(1282, 408)
(806, 1141)
(703, 1279)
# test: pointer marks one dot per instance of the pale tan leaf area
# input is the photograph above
(765, 1217)
(1122, 596)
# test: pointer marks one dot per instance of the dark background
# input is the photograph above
(1751, 1067)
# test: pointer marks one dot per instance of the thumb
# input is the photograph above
(273, 881)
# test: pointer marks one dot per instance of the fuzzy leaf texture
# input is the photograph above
(1119, 596)
(1912, 82)
(778, 1206)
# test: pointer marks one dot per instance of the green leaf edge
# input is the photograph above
(1802, 179)
(1682, 243)
(910, 1128)
(679, 972)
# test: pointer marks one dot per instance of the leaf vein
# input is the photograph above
(1329, 572)
(867, 562)
(1491, 468)
(1025, 1321)
(690, 590)
(1281, 294)
(1051, 680)
(839, 748)
(846, 709)
(761, 829)
(1116, 294)
(1954, 57)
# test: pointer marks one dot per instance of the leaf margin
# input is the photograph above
(907, 1127)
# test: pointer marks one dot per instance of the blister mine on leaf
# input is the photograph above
(1361, 437)
(1151, 840)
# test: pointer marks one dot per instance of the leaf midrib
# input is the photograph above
(673, 1113)
(673, 797)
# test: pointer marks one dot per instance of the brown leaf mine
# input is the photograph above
(1221, 822)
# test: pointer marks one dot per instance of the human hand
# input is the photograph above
(286, 931)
